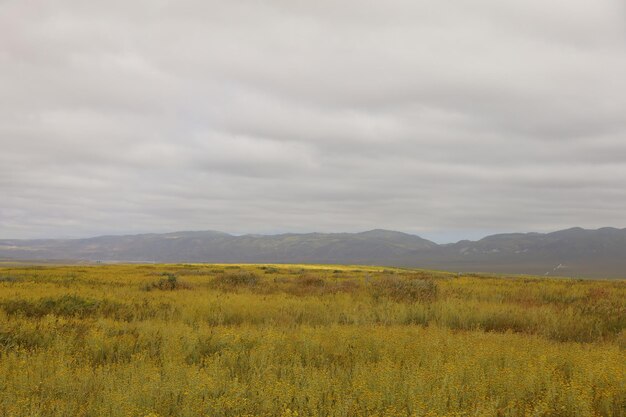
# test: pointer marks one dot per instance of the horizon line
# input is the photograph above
(95, 236)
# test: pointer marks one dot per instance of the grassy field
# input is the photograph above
(297, 340)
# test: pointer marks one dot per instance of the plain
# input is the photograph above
(272, 340)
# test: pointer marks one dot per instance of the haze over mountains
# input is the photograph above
(573, 252)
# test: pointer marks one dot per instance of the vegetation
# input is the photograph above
(243, 340)
(170, 282)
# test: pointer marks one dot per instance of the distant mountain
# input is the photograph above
(211, 246)
(572, 252)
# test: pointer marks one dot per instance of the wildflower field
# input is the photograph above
(298, 340)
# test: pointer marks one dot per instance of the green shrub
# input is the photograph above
(309, 280)
(404, 290)
(170, 282)
(8, 278)
(67, 306)
(205, 347)
(236, 279)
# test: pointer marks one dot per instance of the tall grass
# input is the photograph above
(308, 341)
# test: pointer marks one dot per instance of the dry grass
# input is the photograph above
(244, 340)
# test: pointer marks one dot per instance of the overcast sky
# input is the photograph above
(448, 119)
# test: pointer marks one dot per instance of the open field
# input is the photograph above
(231, 340)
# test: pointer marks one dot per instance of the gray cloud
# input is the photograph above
(446, 119)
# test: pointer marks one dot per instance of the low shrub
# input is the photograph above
(236, 279)
(404, 290)
(306, 284)
(67, 306)
(312, 285)
(26, 338)
(8, 278)
(169, 282)
(309, 280)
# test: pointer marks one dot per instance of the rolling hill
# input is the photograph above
(572, 252)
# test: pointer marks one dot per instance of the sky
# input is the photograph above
(448, 119)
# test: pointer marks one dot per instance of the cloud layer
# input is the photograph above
(446, 119)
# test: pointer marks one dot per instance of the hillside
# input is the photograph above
(572, 252)
(210, 246)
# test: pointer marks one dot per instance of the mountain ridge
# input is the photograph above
(570, 252)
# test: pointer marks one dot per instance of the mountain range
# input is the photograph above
(573, 252)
